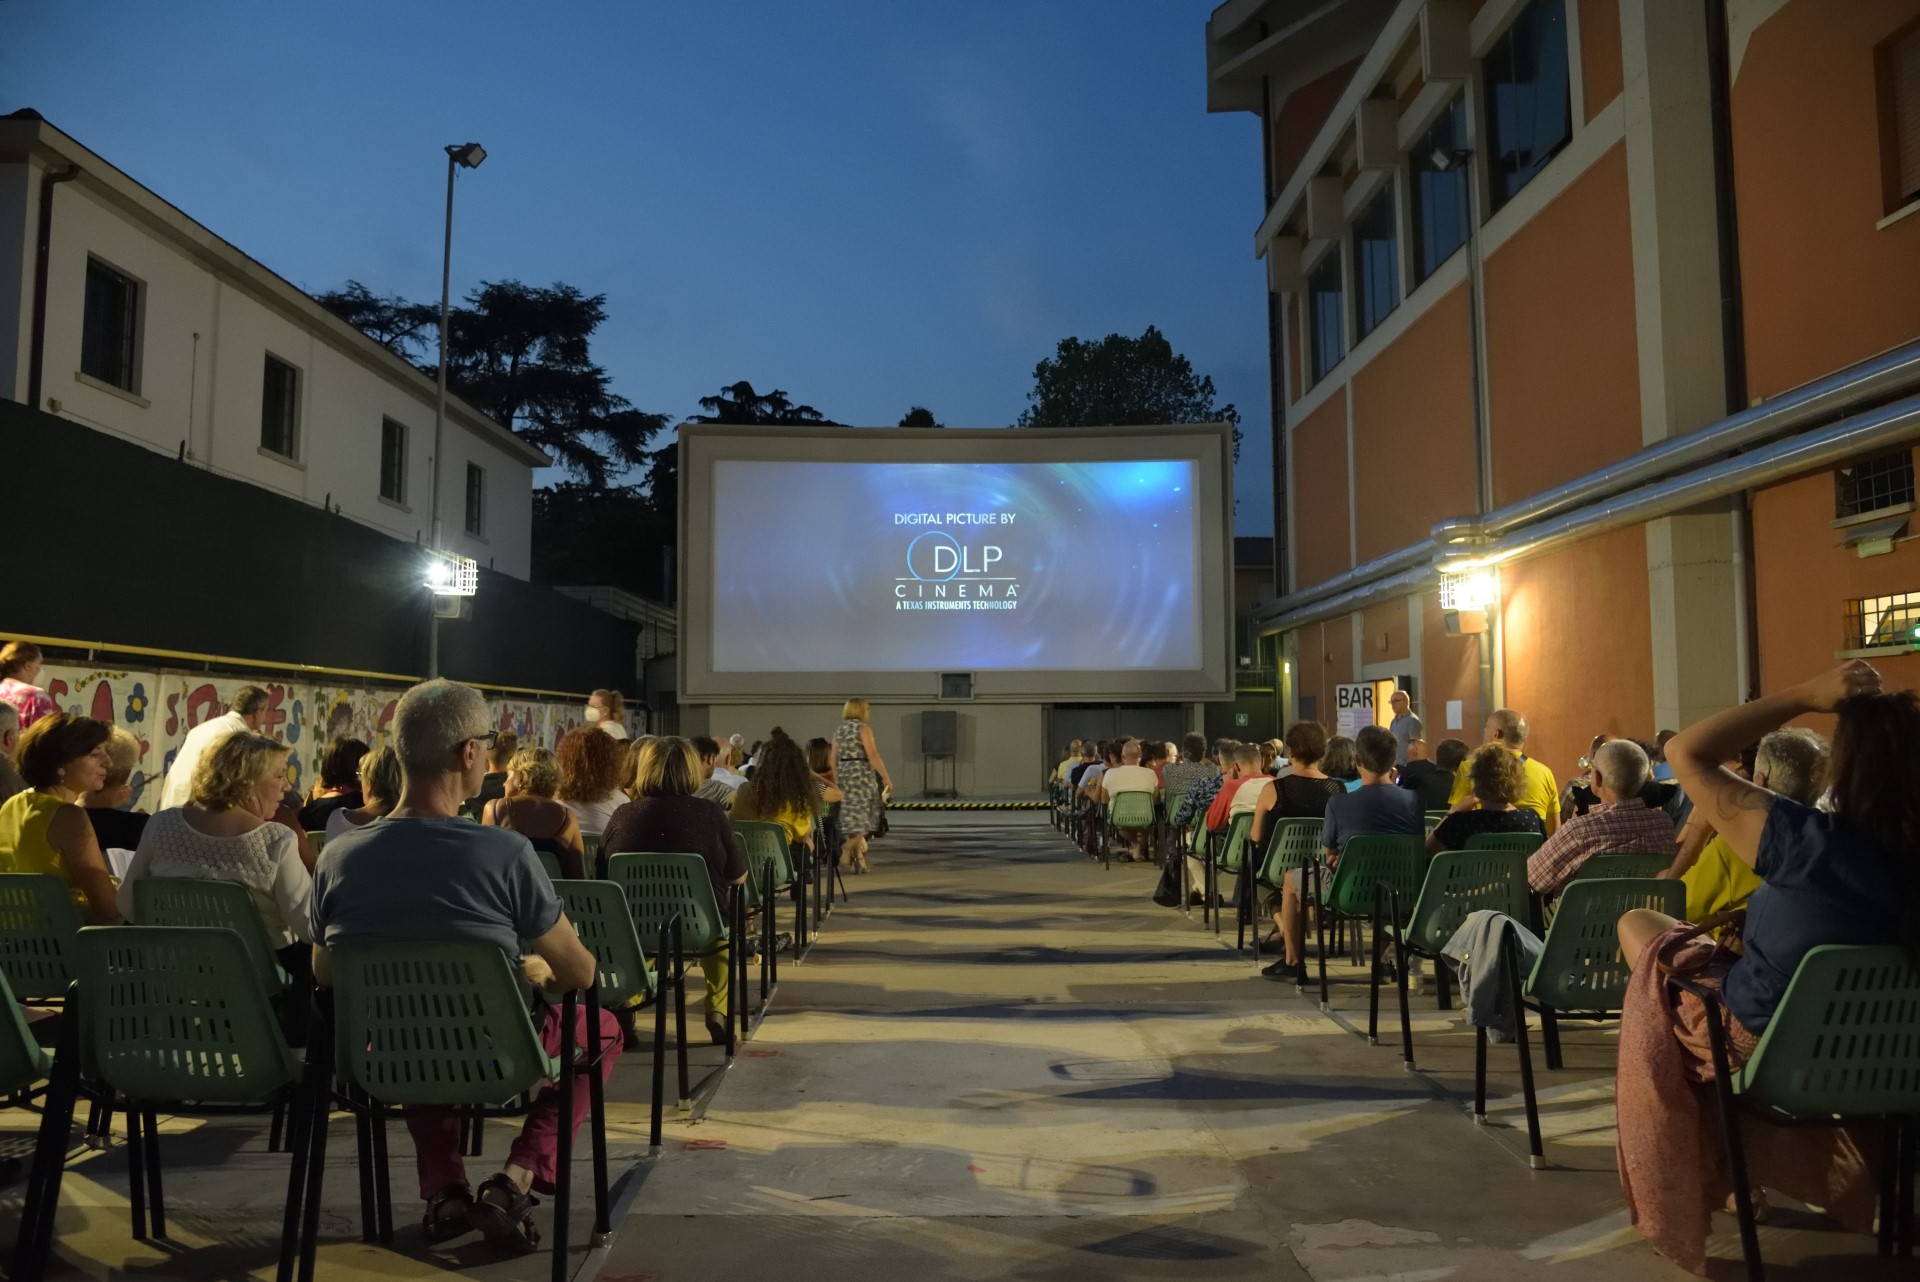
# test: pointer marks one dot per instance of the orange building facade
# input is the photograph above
(1595, 342)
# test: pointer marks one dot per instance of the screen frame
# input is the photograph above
(1209, 446)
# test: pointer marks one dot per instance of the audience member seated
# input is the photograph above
(590, 777)
(1153, 756)
(493, 785)
(1130, 776)
(380, 784)
(1340, 764)
(1303, 793)
(114, 828)
(423, 872)
(1252, 758)
(1089, 757)
(1497, 778)
(782, 790)
(10, 780)
(247, 710)
(44, 830)
(528, 808)
(1621, 824)
(339, 784)
(1090, 777)
(1179, 776)
(666, 817)
(1541, 794)
(1241, 763)
(820, 762)
(225, 833)
(1848, 877)
(19, 673)
(1577, 797)
(1790, 763)
(1429, 775)
(1376, 806)
(712, 787)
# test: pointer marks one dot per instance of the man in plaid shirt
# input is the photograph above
(1620, 824)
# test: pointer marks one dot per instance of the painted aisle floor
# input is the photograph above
(1003, 1061)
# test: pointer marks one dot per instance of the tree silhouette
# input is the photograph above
(1122, 382)
(920, 416)
(739, 403)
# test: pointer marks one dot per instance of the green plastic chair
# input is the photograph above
(1843, 1047)
(317, 838)
(1233, 857)
(22, 1061)
(1433, 818)
(765, 843)
(1367, 862)
(1623, 865)
(443, 1023)
(1580, 974)
(1524, 843)
(599, 913)
(176, 1015)
(38, 924)
(590, 845)
(224, 905)
(549, 864)
(1458, 882)
(1129, 810)
(1293, 845)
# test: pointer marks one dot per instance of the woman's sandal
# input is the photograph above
(448, 1215)
(504, 1216)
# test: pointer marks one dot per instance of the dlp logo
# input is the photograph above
(938, 557)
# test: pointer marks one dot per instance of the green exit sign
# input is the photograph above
(1239, 718)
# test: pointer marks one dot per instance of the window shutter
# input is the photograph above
(1904, 64)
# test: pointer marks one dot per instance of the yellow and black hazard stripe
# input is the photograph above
(968, 805)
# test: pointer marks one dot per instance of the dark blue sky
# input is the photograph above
(868, 204)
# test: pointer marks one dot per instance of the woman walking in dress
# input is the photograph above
(862, 776)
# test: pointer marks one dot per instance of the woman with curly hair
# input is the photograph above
(592, 768)
(1497, 779)
(782, 789)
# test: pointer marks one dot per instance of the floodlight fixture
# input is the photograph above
(1447, 159)
(449, 574)
(469, 154)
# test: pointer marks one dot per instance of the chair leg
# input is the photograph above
(276, 1129)
(1373, 977)
(1442, 984)
(363, 1159)
(1480, 1074)
(322, 1106)
(1536, 1154)
(1320, 930)
(1734, 1149)
(680, 1006)
(1400, 969)
(382, 1170)
(35, 1238)
(597, 1110)
(137, 1170)
(1909, 1160)
(563, 1142)
(299, 1117)
(156, 1198)
(1550, 1036)
(663, 982)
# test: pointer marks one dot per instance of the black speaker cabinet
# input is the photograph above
(939, 734)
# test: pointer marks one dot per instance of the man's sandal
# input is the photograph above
(504, 1216)
(448, 1215)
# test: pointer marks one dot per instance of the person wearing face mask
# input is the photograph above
(44, 830)
(607, 711)
(224, 833)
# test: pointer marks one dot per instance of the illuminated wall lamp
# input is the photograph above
(1466, 598)
(448, 574)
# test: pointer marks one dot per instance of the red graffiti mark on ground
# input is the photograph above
(978, 1170)
(693, 1144)
(759, 1052)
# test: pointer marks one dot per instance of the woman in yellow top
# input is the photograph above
(782, 789)
(63, 758)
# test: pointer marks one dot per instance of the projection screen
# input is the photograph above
(819, 563)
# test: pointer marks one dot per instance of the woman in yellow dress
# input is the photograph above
(44, 830)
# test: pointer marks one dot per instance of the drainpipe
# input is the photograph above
(1733, 334)
(42, 249)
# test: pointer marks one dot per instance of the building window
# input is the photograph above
(1873, 486)
(110, 326)
(1899, 66)
(1376, 262)
(1438, 166)
(280, 409)
(1326, 329)
(393, 461)
(1529, 110)
(1876, 621)
(476, 500)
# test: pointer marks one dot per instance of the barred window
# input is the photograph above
(1873, 485)
(1881, 621)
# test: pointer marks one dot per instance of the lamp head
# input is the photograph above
(469, 154)
(1446, 159)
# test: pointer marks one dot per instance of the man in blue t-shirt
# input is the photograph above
(423, 872)
(1376, 806)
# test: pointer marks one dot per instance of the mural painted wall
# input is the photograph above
(159, 707)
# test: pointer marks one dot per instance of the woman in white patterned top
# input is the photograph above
(222, 834)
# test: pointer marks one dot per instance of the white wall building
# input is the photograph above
(148, 326)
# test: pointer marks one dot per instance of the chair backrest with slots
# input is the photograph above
(1580, 967)
(657, 886)
(599, 913)
(192, 901)
(1845, 1039)
(38, 923)
(1459, 882)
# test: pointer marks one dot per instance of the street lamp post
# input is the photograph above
(469, 155)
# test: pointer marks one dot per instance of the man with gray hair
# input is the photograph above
(1539, 791)
(424, 873)
(10, 780)
(1791, 762)
(1621, 824)
(247, 710)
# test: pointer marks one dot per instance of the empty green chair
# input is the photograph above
(1580, 974)
(1125, 810)
(1624, 865)
(1843, 1047)
(444, 1023)
(1458, 882)
(38, 924)
(226, 905)
(1368, 862)
(1524, 843)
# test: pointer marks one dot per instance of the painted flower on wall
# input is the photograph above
(137, 703)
